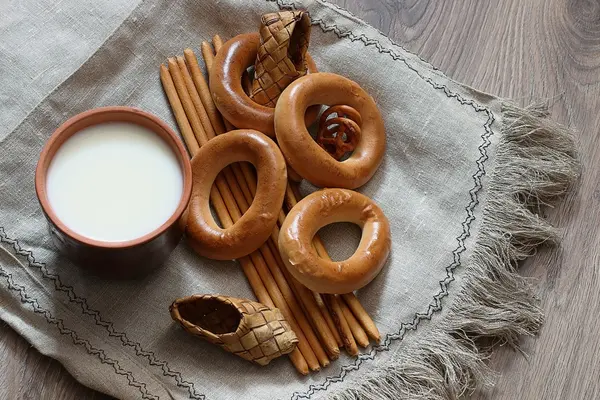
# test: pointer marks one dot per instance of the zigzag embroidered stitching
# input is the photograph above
(343, 10)
(466, 224)
(58, 285)
(104, 359)
(389, 338)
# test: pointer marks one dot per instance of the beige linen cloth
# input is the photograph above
(461, 183)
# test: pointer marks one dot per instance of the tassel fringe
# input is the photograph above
(536, 163)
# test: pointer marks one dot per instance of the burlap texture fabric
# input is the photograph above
(462, 182)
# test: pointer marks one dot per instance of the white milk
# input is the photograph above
(114, 182)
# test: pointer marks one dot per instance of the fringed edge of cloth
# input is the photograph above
(536, 163)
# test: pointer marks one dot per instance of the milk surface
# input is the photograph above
(114, 182)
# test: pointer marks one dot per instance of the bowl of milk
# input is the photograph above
(113, 183)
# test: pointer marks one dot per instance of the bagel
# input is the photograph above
(300, 150)
(257, 223)
(234, 58)
(322, 208)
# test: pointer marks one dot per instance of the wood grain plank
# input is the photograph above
(522, 49)
(27, 374)
(530, 50)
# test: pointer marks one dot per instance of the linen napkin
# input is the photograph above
(462, 181)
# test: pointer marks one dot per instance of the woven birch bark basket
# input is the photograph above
(281, 57)
(245, 328)
(464, 181)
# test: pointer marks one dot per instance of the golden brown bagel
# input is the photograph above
(293, 175)
(326, 207)
(304, 155)
(234, 58)
(256, 225)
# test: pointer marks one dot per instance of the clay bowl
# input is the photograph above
(125, 259)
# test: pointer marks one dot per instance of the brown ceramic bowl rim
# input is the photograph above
(175, 144)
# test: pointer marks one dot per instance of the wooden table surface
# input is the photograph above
(522, 49)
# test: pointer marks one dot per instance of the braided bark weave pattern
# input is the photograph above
(243, 327)
(281, 58)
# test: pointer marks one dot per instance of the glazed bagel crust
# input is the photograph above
(322, 208)
(304, 155)
(256, 225)
(236, 55)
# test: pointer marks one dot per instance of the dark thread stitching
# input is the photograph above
(59, 323)
(405, 327)
(108, 326)
(444, 284)
(466, 224)
(392, 42)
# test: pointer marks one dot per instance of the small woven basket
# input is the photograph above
(245, 328)
(284, 38)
